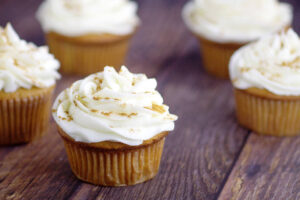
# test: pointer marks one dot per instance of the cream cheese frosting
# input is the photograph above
(111, 106)
(239, 21)
(78, 17)
(272, 63)
(24, 65)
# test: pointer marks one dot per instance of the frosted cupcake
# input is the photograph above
(27, 80)
(224, 26)
(266, 77)
(87, 35)
(114, 127)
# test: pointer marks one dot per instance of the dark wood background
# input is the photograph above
(208, 156)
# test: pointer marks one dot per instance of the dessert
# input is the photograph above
(222, 27)
(113, 126)
(87, 35)
(27, 79)
(266, 78)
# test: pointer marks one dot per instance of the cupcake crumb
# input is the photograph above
(128, 115)
(97, 98)
(106, 113)
(75, 103)
(68, 118)
(157, 108)
(245, 69)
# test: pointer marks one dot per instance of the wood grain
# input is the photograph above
(198, 156)
(268, 168)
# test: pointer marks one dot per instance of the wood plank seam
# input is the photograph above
(233, 165)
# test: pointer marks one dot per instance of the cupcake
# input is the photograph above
(27, 80)
(266, 78)
(87, 35)
(222, 27)
(114, 127)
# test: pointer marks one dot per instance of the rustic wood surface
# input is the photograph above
(208, 156)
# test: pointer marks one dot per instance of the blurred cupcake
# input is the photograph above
(222, 27)
(87, 35)
(27, 80)
(114, 127)
(266, 77)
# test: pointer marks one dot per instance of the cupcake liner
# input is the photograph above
(114, 167)
(268, 114)
(24, 115)
(216, 56)
(83, 56)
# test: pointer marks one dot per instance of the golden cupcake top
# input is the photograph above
(236, 20)
(113, 106)
(23, 64)
(77, 17)
(272, 63)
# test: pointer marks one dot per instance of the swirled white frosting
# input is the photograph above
(24, 65)
(236, 20)
(272, 63)
(78, 17)
(111, 106)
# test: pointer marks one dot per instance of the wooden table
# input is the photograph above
(208, 156)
